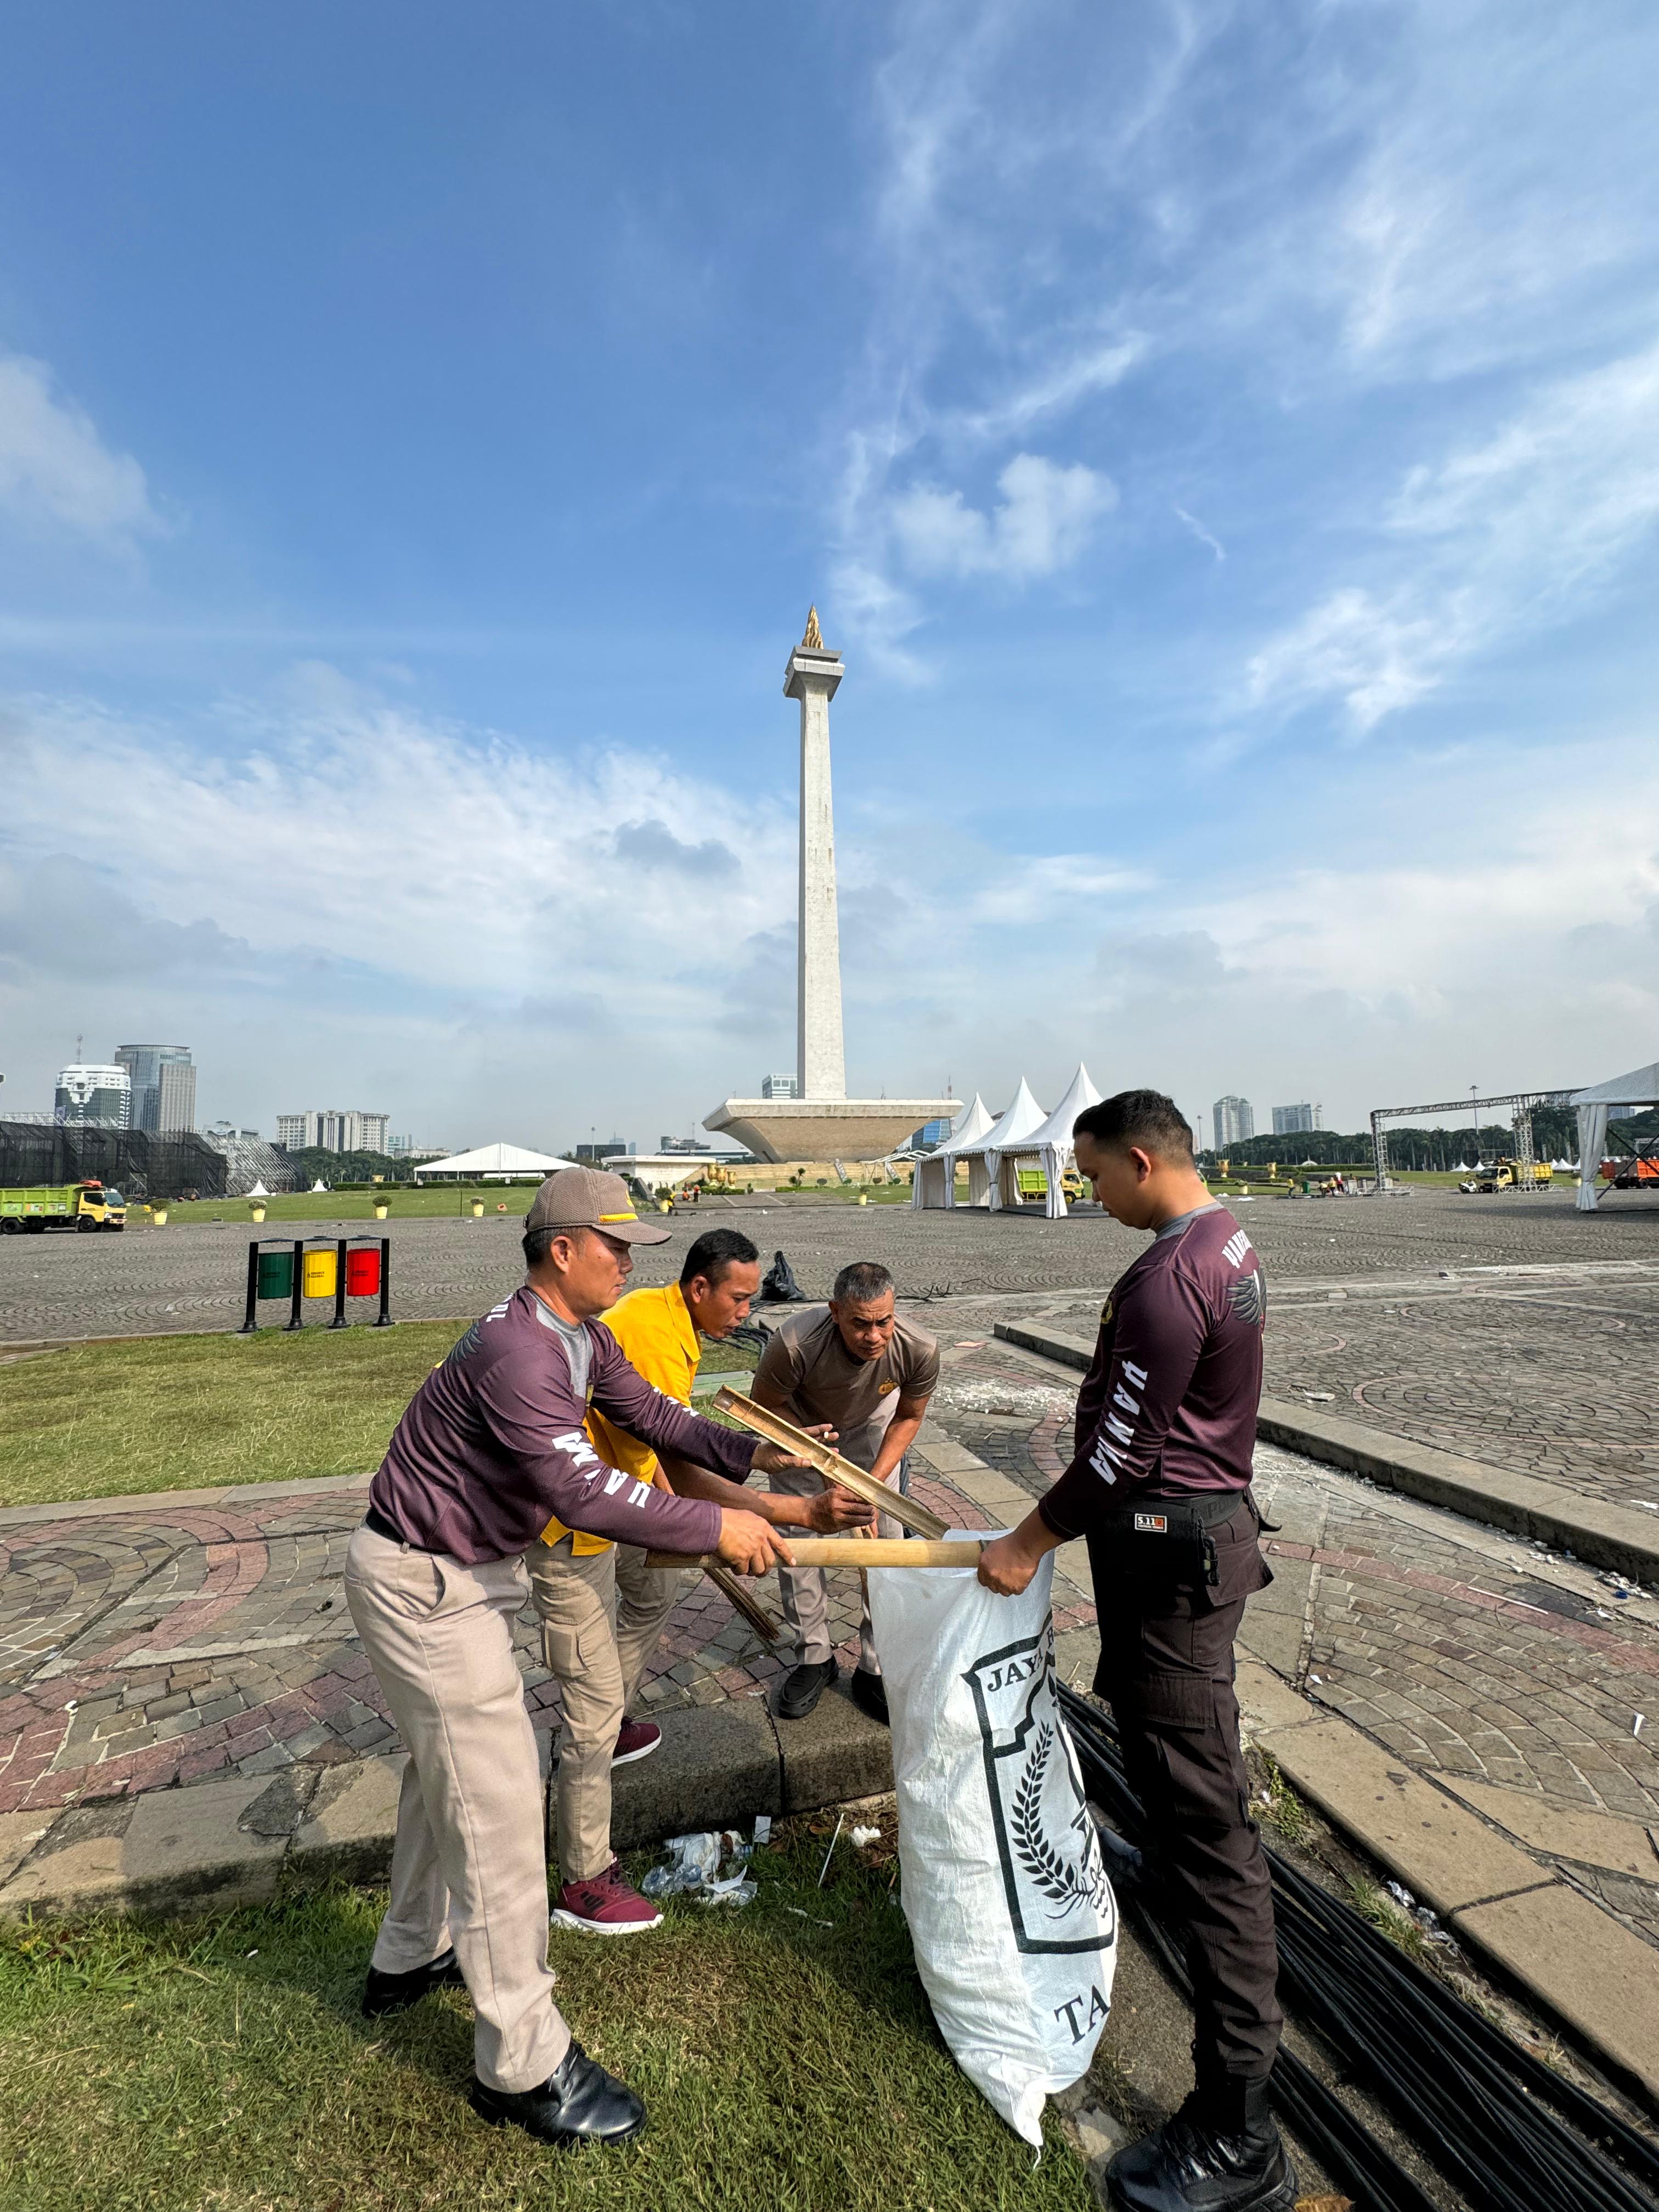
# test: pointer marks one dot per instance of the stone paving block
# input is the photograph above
(19, 1835)
(717, 1766)
(836, 1753)
(1597, 1839)
(1596, 1975)
(1265, 1702)
(348, 1828)
(1273, 1638)
(1442, 1853)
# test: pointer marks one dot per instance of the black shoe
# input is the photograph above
(396, 1992)
(580, 2103)
(869, 1694)
(804, 1687)
(1220, 2153)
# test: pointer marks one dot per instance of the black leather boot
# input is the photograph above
(1221, 2153)
(580, 2103)
(804, 1685)
(396, 1992)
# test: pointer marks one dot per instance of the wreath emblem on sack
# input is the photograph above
(1068, 1882)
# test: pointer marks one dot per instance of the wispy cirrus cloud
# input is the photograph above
(1512, 528)
(56, 472)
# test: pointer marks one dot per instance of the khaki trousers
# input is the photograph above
(804, 1591)
(602, 1614)
(468, 1866)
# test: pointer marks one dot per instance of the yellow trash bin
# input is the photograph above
(319, 1274)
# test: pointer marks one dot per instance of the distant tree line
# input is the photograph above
(315, 1163)
(1554, 1137)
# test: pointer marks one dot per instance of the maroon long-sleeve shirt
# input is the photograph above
(1169, 1402)
(491, 1446)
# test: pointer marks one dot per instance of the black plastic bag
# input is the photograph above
(780, 1288)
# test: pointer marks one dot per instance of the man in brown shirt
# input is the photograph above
(857, 1366)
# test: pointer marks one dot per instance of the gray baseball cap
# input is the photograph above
(588, 1198)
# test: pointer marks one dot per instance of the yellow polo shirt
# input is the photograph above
(657, 1335)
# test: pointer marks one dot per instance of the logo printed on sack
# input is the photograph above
(1052, 1868)
(882, 1389)
(1152, 1524)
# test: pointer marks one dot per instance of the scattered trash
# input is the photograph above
(863, 1836)
(763, 1829)
(253, 1953)
(1319, 1397)
(71, 1705)
(800, 1915)
(1401, 1896)
(830, 1853)
(694, 1869)
(1636, 1730)
(1648, 1505)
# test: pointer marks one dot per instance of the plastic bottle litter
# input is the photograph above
(693, 1868)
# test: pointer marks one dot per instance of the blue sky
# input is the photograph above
(1224, 443)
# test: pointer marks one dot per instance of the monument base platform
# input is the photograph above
(825, 1128)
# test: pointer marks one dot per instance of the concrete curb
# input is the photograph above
(1522, 1504)
(213, 1845)
(1581, 1968)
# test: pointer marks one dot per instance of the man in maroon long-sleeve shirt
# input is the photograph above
(491, 1449)
(1159, 1486)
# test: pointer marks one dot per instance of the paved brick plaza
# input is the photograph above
(177, 1642)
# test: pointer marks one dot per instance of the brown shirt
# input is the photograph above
(807, 1368)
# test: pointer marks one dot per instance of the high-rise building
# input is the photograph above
(144, 1064)
(92, 1097)
(607, 1148)
(333, 1129)
(175, 1097)
(1288, 1120)
(684, 1145)
(1232, 1122)
(778, 1086)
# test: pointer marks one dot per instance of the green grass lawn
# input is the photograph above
(510, 1203)
(787, 2066)
(192, 1413)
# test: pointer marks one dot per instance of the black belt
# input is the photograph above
(378, 1525)
(1210, 1508)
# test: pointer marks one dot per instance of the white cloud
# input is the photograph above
(1042, 522)
(55, 470)
(1510, 530)
(1375, 659)
(1035, 890)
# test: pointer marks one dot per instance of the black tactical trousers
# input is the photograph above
(1166, 1668)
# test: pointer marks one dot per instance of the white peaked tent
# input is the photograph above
(1021, 1118)
(1050, 1145)
(490, 1162)
(1640, 1088)
(935, 1179)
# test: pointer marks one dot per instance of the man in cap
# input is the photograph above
(1160, 1485)
(856, 1365)
(602, 1610)
(490, 1446)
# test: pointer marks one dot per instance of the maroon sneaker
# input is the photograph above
(635, 1740)
(605, 1906)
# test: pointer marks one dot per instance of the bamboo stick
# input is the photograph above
(733, 1591)
(831, 1464)
(853, 1552)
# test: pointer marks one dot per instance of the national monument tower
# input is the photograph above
(821, 1123)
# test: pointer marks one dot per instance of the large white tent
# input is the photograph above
(934, 1184)
(1021, 1118)
(491, 1164)
(1050, 1145)
(1595, 1106)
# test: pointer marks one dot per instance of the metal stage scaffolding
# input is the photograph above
(1521, 1105)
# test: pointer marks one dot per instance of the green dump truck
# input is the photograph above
(44, 1205)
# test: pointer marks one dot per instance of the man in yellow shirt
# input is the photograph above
(602, 1610)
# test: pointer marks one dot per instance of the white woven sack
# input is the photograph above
(1010, 1913)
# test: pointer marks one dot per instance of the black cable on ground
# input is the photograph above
(1479, 2105)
